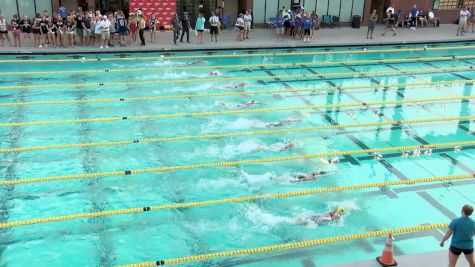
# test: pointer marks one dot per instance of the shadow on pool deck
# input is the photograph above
(265, 38)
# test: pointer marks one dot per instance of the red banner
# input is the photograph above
(163, 9)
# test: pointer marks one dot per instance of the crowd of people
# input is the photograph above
(89, 28)
(77, 28)
(417, 18)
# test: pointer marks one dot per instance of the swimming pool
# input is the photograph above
(105, 132)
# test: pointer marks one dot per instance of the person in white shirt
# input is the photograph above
(240, 26)
(464, 14)
(214, 27)
(391, 8)
(431, 18)
(105, 25)
(247, 24)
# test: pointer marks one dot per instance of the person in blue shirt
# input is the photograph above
(462, 230)
(279, 27)
(414, 13)
(308, 24)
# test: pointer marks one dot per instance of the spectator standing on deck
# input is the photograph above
(185, 25)
(175, 23)
(105, 25)
(462, 231)
(464, 14)
(373, 17)
(240, 26)
(414, 12)
(390, 21)
(142, 24)
(279, 27)
(200, 27)
(247, 24)
(214, 25)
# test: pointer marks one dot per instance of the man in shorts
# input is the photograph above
(214, 24)
(462, 230)
(308, 24)
(104, 26)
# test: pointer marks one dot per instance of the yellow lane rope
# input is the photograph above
(231, 112)
(228, 163)
(239, 66)
(225, 135)
(281, 54)
(234, 200)
(260, 77)
(289, 246)
(258, 92)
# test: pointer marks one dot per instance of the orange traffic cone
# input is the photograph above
(387, 258)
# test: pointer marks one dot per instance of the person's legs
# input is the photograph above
(182, 35)
(142, 38)
(470, 260)
(452, 258)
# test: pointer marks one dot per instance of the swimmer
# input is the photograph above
(249, 104)
(196, 62)
(309, 176)
(287, 146)
(239, 85)
(321, 219)
(213, 73)
(282, 123)
(278, 146)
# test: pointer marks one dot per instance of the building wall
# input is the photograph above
(164, 9)
(345, 9)
(25, 7)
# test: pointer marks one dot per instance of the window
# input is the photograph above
(453, 4)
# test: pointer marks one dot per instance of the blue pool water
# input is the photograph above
(133, 238)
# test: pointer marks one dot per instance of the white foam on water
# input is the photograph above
(264, 220)
(239, 124)
(217, 184)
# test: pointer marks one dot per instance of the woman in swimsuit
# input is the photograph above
(51, 28)
(36, 30)
(59, 24)
(4, 31)
(70, 30)
(321, 219)
(43, 31)
(133, 29)
(309, 176)
(25, 26)
(153, 28)
(16, 31)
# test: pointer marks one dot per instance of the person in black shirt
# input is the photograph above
(43, 31)
(25, 26)
(390, 20)
(36, 30)
(185, 23)
(87, 28)
(80, 27)
(59, 23)
(16, 31)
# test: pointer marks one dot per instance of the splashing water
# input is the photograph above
(262, 219)
(239, 124)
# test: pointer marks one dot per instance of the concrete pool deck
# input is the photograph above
(265, 38)
(429, 259)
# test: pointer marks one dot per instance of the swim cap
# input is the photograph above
(341, 210)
